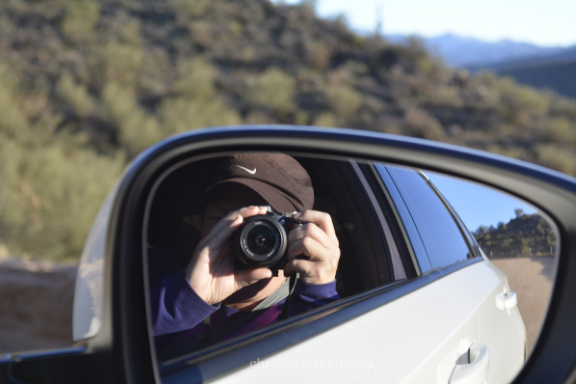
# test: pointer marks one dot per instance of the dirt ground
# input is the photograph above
(35, 305)
(531, 278)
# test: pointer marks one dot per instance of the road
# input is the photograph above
(531, 278)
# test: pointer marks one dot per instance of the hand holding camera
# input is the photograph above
(262, 241)
(211, 269)
(318, 242)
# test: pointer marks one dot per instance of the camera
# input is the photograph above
(262, 241)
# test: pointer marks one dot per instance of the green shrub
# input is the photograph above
(48, 201)
(12, 117)
(196, 79)
(191, 8)
(520, 104)
(181, 114)
(155, 70)
(137, 130)
(273, 89)
(421, 124)
(556, 158)
(326, 119)
(80, 19)
(116, 63)
(561, 131)
(74, 94)
(344, 100)
(563, 106)
(448, 95)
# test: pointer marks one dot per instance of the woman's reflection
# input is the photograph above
(209, 299)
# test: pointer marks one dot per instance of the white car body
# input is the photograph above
(401, 343)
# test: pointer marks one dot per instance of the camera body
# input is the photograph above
(262, 241)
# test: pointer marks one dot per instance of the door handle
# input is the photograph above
(505, 301)
(472, 367)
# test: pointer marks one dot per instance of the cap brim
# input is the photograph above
(274, 197)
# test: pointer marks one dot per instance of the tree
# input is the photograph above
(519, 212)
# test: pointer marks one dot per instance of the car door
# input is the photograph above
(500, 327)
(444, 240)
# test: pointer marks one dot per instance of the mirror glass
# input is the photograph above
(239, 242)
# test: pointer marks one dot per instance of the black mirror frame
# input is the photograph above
(123, 343)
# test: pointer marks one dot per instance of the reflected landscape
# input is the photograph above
(515, 237)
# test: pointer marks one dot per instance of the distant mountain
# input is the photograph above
(541, 67)
(460, 51)
(564, 56)
(554, 71)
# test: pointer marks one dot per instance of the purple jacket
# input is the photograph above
(178, 312)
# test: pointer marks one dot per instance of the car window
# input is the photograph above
(442, 239)
(184, 204)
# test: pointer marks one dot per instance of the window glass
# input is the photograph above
(442, 238)
(190, 241)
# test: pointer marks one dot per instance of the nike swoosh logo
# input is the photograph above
(250, 171)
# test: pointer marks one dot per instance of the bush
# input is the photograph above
(561, 131)
(520, 104)
(273, 90)
(191, 8)
(12, 118)
(196, 79)
(74, 94)
(318, 56)
(137, 130)
(326, 119)
(553, 157)
(181, 114)
(80, 19)
(562, 106)
(116, 63)
(420, 124)
(344, 100)
(48, 201)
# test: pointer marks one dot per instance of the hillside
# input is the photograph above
(559, 77)
(523, 236)
(85, 85)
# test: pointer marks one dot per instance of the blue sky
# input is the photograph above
(477, 204)
(546, 23)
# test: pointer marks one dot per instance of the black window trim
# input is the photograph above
(384, 227)
(394, 220)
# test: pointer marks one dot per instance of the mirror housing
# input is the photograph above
(124, 343)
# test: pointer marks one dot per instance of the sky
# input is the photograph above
(541, 22)
(477, 204)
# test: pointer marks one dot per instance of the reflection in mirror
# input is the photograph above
(517, 238)
(220, 269)
(239, 243)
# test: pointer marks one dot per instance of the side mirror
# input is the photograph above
(113, 316)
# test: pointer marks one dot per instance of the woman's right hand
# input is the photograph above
(211, 269)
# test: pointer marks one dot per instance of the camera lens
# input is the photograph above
(261, 240)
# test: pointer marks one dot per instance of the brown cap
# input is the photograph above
(277, 177)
